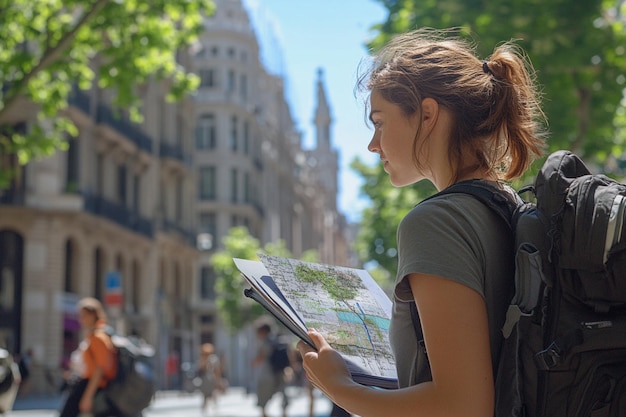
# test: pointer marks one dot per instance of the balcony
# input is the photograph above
(168, 150)
(79, 99)
(171, 226)
(12, 196)
(119, 214)
(125, 127)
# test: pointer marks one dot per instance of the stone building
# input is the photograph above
(252, 168)
(137, 209)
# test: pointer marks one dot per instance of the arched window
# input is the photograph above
(11, 260)
(136, 287)
(71, 267)
(98, 273)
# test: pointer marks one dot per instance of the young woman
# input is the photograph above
(443, 115)
(98, 362)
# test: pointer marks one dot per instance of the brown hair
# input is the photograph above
(93, 306)
(495, 104)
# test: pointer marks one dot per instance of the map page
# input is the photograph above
(347, 307)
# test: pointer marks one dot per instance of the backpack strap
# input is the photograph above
(502, 203)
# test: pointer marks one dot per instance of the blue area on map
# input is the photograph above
(349, 317)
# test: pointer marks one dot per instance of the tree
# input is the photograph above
(376, 241)
(577, 49)
(579, 53)
(234, 308)
(49, 47)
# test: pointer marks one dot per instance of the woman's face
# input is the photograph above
(87, 318)
(393, 138)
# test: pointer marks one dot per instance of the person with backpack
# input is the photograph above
(270, 379)
(209, 371)
(442, 114)
(98, 363)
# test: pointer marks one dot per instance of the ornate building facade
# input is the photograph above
(138, 209)
(252, 168)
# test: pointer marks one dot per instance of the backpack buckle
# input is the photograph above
(548, 358)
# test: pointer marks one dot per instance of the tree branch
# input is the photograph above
(50, 56)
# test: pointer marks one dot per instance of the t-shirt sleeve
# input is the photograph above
(439, 237)
(101, 353)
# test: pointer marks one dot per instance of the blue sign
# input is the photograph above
(113, 281)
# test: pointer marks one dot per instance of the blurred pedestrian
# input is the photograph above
(24, 365)
(269, 382)
(172, 369)
(96, 362)
(210, 373)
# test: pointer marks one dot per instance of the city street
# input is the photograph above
(235, 403)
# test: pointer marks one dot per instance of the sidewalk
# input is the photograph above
(234, 403)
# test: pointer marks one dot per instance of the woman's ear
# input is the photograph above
(430, 113)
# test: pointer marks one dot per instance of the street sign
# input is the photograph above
(113, 296)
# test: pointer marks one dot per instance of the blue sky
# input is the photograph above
(300, 36)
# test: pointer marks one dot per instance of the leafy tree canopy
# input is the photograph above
(49, 47)
(234, 308)
(579, 52)
(577, 48)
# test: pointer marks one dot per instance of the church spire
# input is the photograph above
(322, 118)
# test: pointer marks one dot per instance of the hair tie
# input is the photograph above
(486, 69)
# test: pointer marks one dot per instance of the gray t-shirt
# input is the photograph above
(454, 236)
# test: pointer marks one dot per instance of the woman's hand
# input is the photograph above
(324, 367)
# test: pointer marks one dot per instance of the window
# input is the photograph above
(72, 165)
(207, 282)
(207, 78)
(100, 174)
(246, 138)
(233, 134)
(243, 86)
(231, 52)
(180, 186)
(208, 231)
(231, 81)
(206, 132)
(136, 192)
(121, 184)
(208, 223)
(246, 188)
(207, 183)
(234, 185)
(70, 267)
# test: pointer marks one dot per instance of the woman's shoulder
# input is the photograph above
(444, 207)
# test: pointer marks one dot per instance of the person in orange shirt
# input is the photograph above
(99, 362)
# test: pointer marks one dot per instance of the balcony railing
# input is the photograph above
(119, 214)
(125, 127)
(187, 235)
(12, 196)
(168, 150)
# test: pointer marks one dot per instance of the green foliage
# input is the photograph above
(234, 308)
(579, 52)
(376, 240)
(47, 47)
(577, 48)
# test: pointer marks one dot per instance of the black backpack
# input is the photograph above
(279, 357)
(564, 347)
(134, 385)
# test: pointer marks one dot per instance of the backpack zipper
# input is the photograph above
(614, 227)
